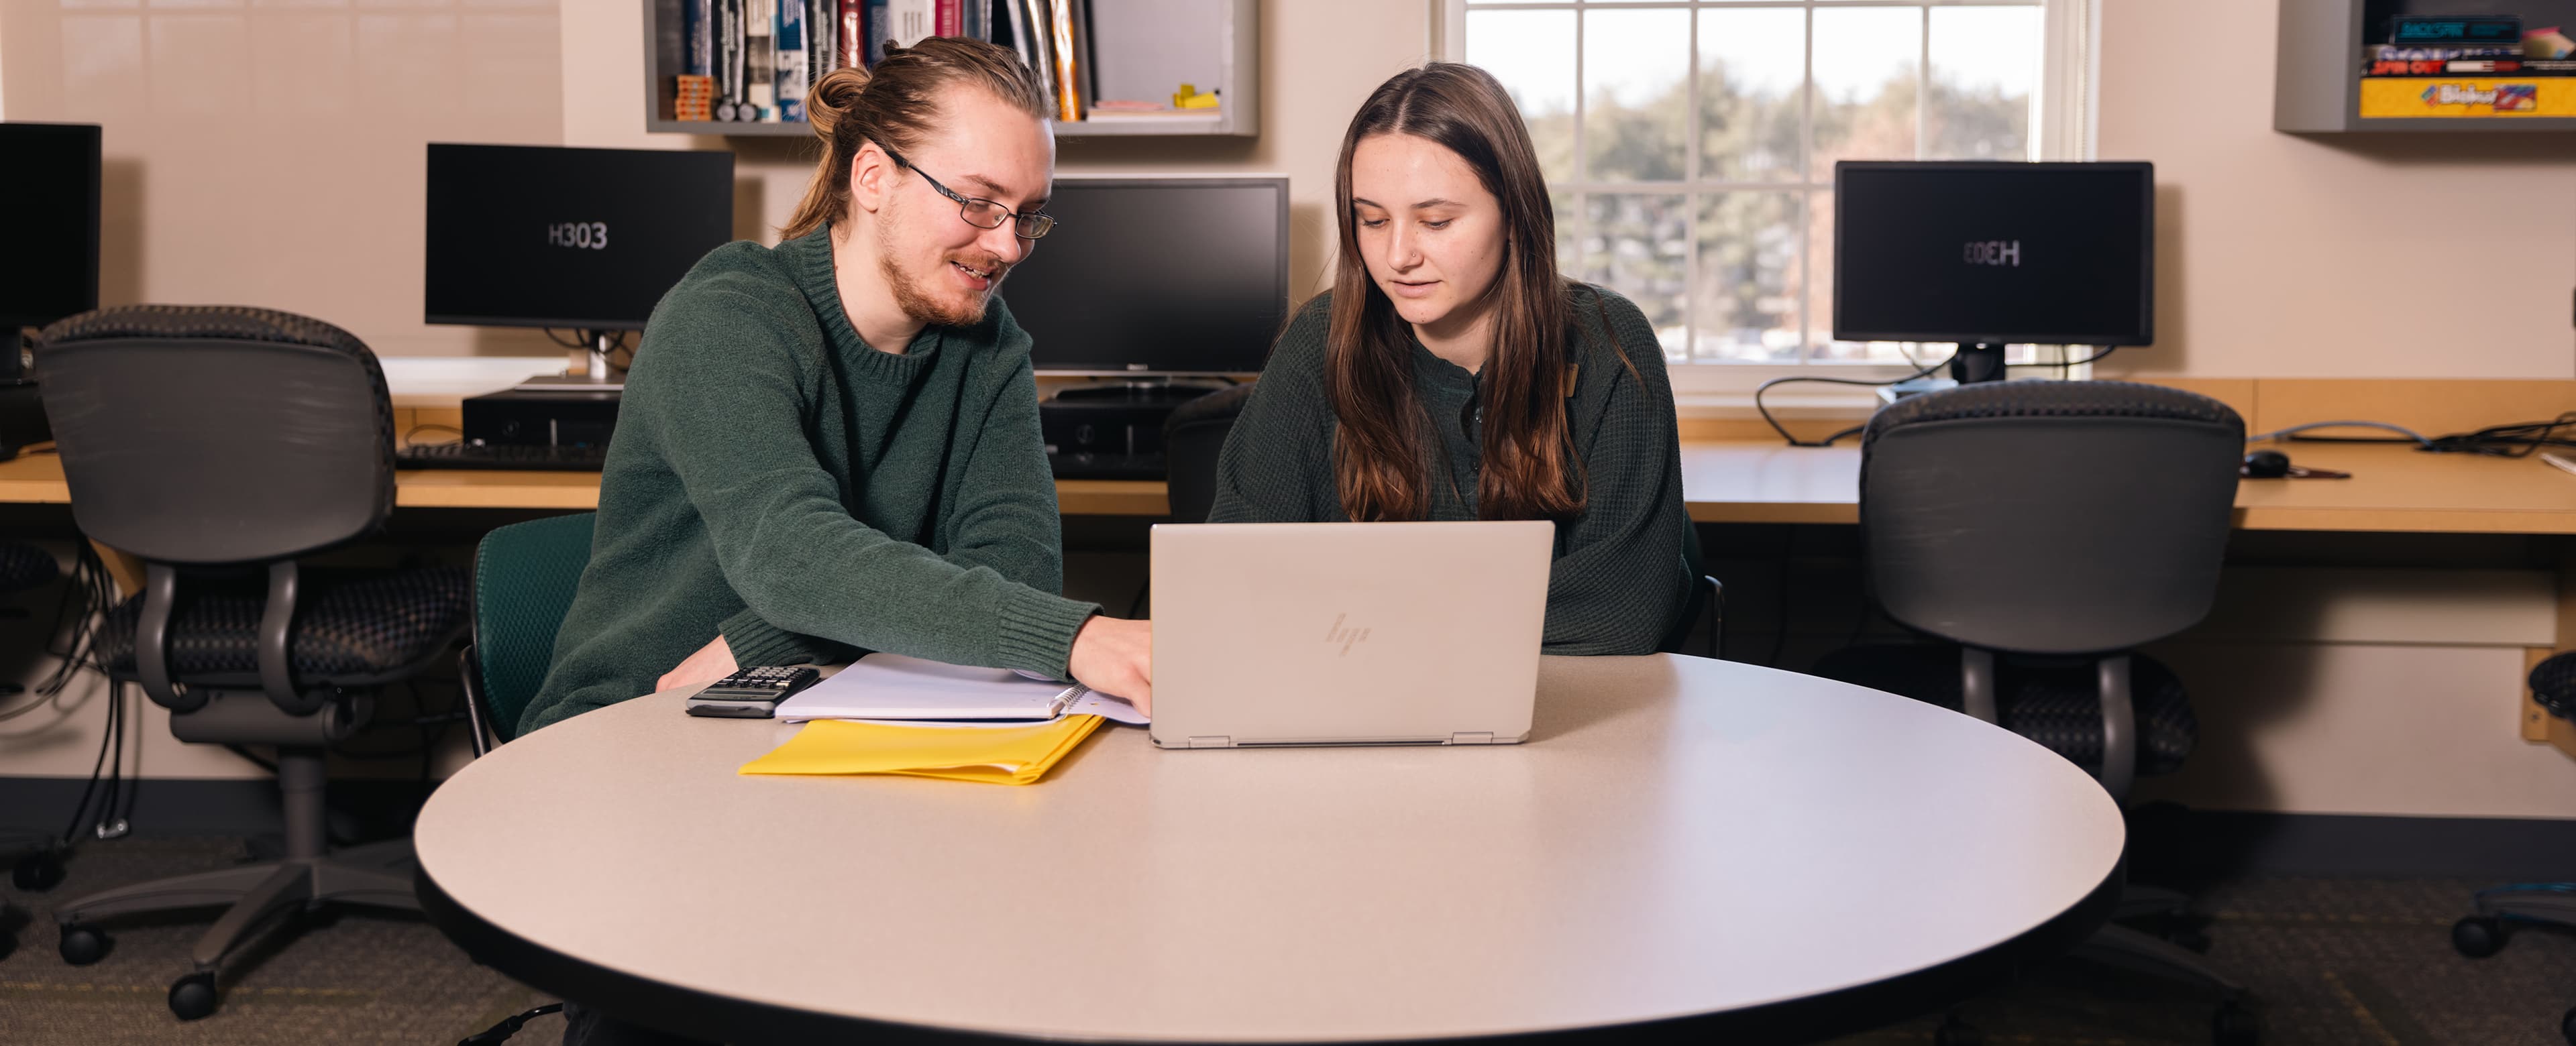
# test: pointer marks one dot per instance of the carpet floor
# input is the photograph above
(2331, 962)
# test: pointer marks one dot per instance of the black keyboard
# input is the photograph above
(502, 456)
(1085, 465)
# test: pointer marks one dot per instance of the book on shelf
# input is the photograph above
(822, 39)
(728, 52)
(2410, 53)
(2476, 66)
(759, 61)
(908, 21)
(850, 46)
(788, 75)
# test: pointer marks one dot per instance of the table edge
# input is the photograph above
(690, 1011)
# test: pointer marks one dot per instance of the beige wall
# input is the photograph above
(2356, 255)
(269, 152)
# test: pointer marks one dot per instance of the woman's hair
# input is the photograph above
(1379, 468)
(896, 105)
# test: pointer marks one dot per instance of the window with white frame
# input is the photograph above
(1689, 145)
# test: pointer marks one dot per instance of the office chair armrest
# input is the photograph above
(152, 640)
(276, 633)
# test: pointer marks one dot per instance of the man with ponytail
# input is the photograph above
(831, 446)
(1452, 374)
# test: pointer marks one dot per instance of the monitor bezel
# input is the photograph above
(96, 137)
(1287, 309)
(733, 167)
(2145, 334)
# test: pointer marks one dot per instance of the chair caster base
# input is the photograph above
(2478, 936)
(83, 944)
(194, 997)
(37, 872)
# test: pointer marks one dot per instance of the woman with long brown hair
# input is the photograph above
(1452, 374)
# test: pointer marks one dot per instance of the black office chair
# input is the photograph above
(2502, 910)
(217, 445)
(2047, 529)
(1192, 437)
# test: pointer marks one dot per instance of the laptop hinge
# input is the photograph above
(1219, 741)
(1482, 737)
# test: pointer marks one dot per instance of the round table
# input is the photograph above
(1709, 846)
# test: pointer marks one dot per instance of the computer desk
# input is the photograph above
(1731, 475)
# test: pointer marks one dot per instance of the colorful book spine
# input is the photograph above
(852, 47)
(2401, 53)
(731, 70)
(949, 18)
(1068, 68)
(2490, 66)
(822, 38)
(760, 59)
(1040, 51)
(2439, 30)
(697, 38)
(878, 15)
(788, 75)
(908, 22)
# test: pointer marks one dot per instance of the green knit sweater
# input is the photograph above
(776, 480)
(1618, 581)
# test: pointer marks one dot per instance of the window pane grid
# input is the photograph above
(1618, 221)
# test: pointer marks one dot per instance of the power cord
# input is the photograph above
(2512, 440)
(509, 1026)
(1924, 371)
(1854, 430)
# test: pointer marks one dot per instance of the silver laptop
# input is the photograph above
(1347, 633)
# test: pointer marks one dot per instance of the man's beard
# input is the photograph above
(917, 302)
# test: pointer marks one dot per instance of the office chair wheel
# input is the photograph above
(2478, 936)
(83, 945)
(2567, 1026)
(2234, 1025)
(37, 872)
(1956, 1032)
(194, 996)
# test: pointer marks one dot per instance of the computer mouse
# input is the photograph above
(2265, 464)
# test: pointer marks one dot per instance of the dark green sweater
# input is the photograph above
(775, 479)
(1618, 580)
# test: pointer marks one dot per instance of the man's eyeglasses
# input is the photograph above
(979, 212)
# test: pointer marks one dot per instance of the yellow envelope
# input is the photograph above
(996, 754)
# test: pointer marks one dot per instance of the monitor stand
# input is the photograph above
(595, 376)
(1982, 361)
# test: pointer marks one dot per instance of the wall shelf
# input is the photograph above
(1146, 50)
(2317, 80)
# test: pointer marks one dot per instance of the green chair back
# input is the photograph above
(524, 578)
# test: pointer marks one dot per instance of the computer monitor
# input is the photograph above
(48, 226)
(1156, 276)
(1984, 254)
(585, 239)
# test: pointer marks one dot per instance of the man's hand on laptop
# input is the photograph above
(1116, 657)
(712, 662)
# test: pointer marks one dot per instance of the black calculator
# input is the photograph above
(751, 693)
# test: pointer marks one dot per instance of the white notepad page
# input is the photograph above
(895, 687)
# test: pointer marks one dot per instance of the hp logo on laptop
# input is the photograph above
(1347, 637)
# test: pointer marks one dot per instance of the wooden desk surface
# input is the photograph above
(38, 479)
(2393, 488)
